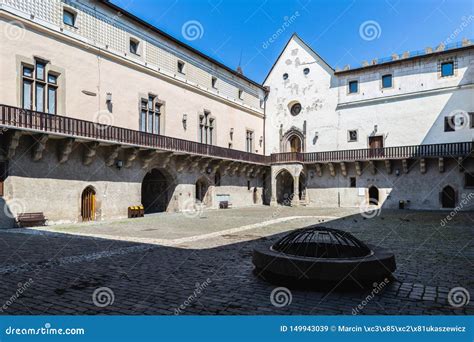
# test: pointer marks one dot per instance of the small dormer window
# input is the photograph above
(353, 87)
(387, 81)
(181, 67)
(134, 46)
(69, 17)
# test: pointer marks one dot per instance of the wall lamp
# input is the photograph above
(231, 133)
(108, 97)
(185, 120)
(119, 164)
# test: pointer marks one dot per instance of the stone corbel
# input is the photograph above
(194, 163)
(388, 166)
(131, 157)
(114, 152)
(441, 165)
(90, 150)
(319, 170)
(423, 165)
(358, 167)
(182, 163)
(148, 158)
(372, 167)
(65, 149)
(405, 165)
(343, 169)
(40, 146)
(332, 169)
(13, 143)
(165, 159)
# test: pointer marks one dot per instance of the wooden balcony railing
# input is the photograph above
(17, 118)
(55, 124)
(398, 152)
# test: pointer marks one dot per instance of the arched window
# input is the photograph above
(373, 195)
(88, 204)
(448, 197)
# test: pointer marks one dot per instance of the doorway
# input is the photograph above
(373, 195)
(376, 146)
(88, 204)
(448, 197)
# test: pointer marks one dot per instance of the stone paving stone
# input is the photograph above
(157, 279)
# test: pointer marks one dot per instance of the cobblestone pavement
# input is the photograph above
(202, 265)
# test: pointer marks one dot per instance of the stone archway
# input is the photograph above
(88, 204)
(202, 187)
(448, 197)
(374, 197)
(284, 188)
(156, 191)
(293, 141)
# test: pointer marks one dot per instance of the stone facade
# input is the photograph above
(141, 118)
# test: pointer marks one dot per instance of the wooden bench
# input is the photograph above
(31, 219)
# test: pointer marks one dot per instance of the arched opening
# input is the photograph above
(88, 204)
(448, 197)
(373, 195)
(284, 185)
(302, 187)
(155, 192)
(201, 190)
(295, 144)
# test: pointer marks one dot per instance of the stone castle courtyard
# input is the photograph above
(200, 263)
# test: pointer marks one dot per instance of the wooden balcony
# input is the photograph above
(447, 150)
(17, 118)
(37, 122)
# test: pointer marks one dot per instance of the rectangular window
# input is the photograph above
(352, 136)
(134, 46)
(387, 81)
(27, 72)
(249, 142)
(471, 119)
(157, 119)
(40, 71)
(469, 180)
(39, 95)
(69, 18)
(181, 67)
(447, 69)
(52, 79)
(449, 124)
(353, 182)
(150, 121)
(51, 100)
(143, 115)
(27, 101)
(353, 87)
(248, 185)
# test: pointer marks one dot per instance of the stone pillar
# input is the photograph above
(296, 186)
(273, 201)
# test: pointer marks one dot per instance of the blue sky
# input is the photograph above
(230, 30)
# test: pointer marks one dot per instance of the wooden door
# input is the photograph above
(88, 204)
(376, 144)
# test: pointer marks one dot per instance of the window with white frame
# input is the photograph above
(249, 141)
